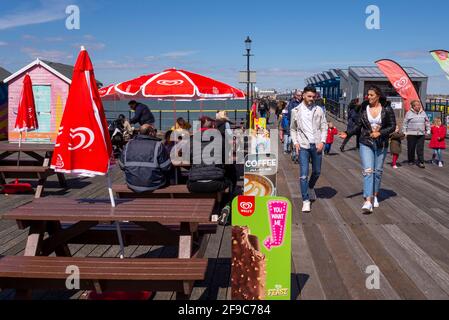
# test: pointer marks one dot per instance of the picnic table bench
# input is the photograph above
(39, 169)
(101, 274)
(174, 192)
(151, 221)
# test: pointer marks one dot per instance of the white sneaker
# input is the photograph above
(312, 194)
(367, 207)
(306, 206)
(440, 164)
(376, 203)
(395, 167)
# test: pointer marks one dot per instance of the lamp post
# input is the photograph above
(248, 42)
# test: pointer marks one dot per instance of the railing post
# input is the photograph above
(235, 116)
(188, 116)
(160, 120)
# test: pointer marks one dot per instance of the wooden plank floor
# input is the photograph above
(407, 238)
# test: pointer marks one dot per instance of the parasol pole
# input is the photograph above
(117, 223)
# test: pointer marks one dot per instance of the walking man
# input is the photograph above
(308, 131)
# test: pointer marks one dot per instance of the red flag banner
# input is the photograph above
(400, 81)
(83, 146)
(26, 113)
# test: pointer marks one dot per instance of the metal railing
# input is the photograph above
(165, 119)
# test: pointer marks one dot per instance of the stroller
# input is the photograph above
(116, 133)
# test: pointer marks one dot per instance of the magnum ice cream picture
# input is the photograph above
(260, 175)
(261, 248)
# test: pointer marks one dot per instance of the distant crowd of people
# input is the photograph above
(305, 133)
(307, 136)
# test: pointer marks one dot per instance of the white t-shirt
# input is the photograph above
(307, 121)
(374, 122)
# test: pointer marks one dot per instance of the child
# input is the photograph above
(437, 142)
(331, 133)
(396, 146)
(285, 129)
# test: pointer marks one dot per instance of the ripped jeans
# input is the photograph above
(373, 160)
(305, 156)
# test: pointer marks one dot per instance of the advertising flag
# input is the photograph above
(442, 57)
(400, 81)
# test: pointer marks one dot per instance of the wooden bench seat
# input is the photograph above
(25, 169)
(102, 274)
(175, 191)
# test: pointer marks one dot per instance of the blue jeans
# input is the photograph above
(327, 148)
(304, 158)
(438, 154)
(287, 141)
(373, 160)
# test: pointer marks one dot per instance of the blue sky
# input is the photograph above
(291, 39)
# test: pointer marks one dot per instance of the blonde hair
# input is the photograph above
(437, 119)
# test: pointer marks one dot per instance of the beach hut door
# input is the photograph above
(42, 99)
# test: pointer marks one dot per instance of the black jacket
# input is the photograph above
(200, 171)
(353, 116)
(146, 164)
(363, 127)
(142, 115)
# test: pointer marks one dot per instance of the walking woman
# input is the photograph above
(377, 121)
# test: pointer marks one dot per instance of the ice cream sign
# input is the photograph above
(278, 216)
(261, 248)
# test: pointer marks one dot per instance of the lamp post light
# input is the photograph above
(248, 42)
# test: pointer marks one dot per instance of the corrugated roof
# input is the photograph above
(4, 74)
(375, 72)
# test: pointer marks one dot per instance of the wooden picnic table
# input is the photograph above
(39, 169)
(170, 221)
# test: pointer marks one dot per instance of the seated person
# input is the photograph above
(142, 115)
(206, 178)
(145, 161)
(181, 124)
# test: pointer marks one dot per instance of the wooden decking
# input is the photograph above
(407, 238)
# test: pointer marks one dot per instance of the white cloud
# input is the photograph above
(3, 43)
(52, 55)
(178, 54)
(48, 11)
(118, 65)
(411, 54)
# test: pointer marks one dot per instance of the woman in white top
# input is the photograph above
(377, 121)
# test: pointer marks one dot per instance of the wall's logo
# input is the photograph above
(442, 55)
(86, 138)
(246, 205)
(401, 83)
(373, 20)
(170, 83)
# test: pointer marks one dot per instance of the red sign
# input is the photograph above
(400, 81)
(246, 205)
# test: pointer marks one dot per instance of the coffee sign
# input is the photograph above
(260, 175)
(261, 248)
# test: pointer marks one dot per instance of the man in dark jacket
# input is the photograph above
(142, 115)
(353, 118)
(145, 161)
